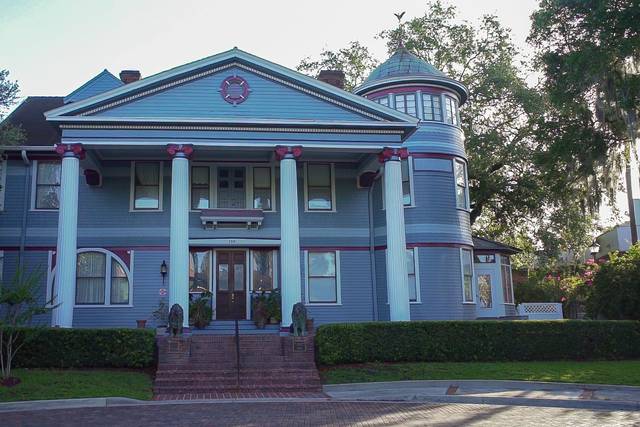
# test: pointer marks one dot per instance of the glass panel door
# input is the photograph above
(231, 188)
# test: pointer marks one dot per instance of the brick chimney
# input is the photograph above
(129, 76)
(333, 77)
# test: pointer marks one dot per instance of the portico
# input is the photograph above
(185, 238)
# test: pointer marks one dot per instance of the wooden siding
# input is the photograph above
(201, 98)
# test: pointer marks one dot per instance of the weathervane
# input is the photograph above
(400, 30)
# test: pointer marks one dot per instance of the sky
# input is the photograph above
(51, 47)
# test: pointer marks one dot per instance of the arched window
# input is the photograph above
(102, 279)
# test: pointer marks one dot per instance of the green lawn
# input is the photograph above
(40, 384)
(620, 372)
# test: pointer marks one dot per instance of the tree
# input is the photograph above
(616, 287)
(355, 61)
(512, 198)
(589, 52)
(19, 303)
(9, 134)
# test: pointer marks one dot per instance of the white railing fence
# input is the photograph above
(541, 310)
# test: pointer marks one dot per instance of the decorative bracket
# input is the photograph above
(390, 153)
(286, 152)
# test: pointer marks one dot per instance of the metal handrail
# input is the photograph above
(237, 356)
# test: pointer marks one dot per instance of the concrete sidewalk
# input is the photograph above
(512, 393)
(529, 393)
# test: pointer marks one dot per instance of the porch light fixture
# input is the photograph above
(163, 270)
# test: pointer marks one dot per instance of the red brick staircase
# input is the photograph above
(205, 366)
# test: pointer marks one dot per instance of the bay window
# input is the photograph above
(406, 103)
(431, 109)
(451, 111)
(507, 283)
(467, 276)
(462, 188)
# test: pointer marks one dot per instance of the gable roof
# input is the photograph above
(303, 82)
(101, 83)
(30, 116)
(482, 244)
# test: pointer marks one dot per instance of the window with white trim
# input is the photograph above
(101, 279)
(413, 277)
(320, 190)
(146, 186)
(507, 281)
(467, 275)
(47, 184)
(323, 282)
(200, 187)
(406, 182)
(451, 111)
(383, 100)
(406, 103)
(431, 109)
(462, 188)
(3, 181)
(262, 188)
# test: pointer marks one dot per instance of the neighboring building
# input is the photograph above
(617, 239)
(239, 175)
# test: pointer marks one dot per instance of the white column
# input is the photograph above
(65, 279)
(397, 274)
(179, 231)
(291, 290)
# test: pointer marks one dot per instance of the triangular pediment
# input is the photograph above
(234, 86)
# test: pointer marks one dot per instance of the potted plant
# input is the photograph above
(274, 307)
(200, 311)
(259, 309)
(161, 316)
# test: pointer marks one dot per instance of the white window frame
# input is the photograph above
(380, 98)
(4, 164)
(333, 188)
(213, 183)
(132, 186)
(274, 256)
(107, 285)
(306, 280)
(34, 186)
(411, 186)
(406, 109)
(432, 96)
(467, 206)
(504, 300)
(473, 275)
(455, 113)
(416, 269)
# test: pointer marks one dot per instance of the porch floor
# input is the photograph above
(228, 327)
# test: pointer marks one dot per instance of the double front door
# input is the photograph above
(231, 292)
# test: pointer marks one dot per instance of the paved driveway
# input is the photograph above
(320, 414)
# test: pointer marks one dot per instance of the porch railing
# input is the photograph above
(541, 310)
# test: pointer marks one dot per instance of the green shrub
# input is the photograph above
(465, 341)
(87, 348)
(616, 287)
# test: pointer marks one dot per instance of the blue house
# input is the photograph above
(236, 175)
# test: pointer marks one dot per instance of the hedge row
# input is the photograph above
(464, 341)
(86, 348)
